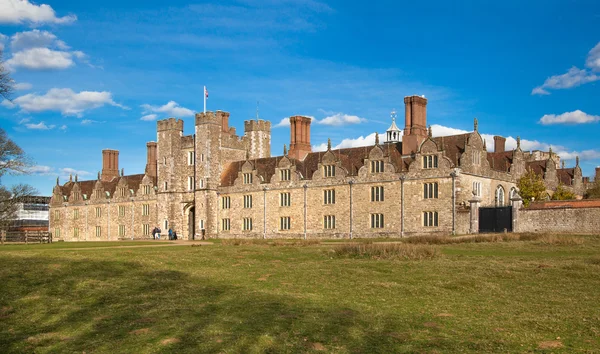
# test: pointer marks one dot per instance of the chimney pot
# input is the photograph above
(499, 143)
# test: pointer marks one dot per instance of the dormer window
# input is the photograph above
(377, 166)
(122, 192)
(146, 190)
(247, 178)
(430, 161)
(329, 170)
(285, 174)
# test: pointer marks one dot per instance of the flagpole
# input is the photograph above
(204, 94)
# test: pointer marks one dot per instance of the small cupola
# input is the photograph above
(393, 132)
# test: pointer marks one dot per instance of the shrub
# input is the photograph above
(388, 251)
(560, 240)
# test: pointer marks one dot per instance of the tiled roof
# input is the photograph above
(352, 159)
(539, 167)
(500, 161)
(565, 176)
(87, 187)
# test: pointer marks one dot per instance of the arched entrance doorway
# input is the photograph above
(191, 222)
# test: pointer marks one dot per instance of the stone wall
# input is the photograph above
(581, 217)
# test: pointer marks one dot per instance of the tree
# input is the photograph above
(6, 82)
(531, 187)
(13, 160)
(561, 193)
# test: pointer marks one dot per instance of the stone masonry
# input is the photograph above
(218, 184)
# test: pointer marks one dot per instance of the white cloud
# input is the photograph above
(334, 119)
(149, 117)
(71, 171)
(285, 122)
(583, 155)
(350, 143)
(63, 127)
(39, 170)
(41, 59)
(39, 126)
(340, 119)
(7, 104)
(593, 59)
(575, 117)
(87, 122)
(575, 76)
(19, 11)
(66, 101)
(170, 109)
(22, 86)
(31, 39)
(24, 120)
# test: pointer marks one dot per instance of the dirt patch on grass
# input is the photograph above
(168, 341)
(318, 346)
(550, 344)
(140, 331)
(42, 337)
(431, 325)
(444, 314)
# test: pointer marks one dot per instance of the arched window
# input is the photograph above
(513, 192)
(500, 196)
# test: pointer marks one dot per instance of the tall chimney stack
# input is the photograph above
(597, 176)
(110, 165)
(299, 137)
(151, 159)
(415, 128)
(499, 143)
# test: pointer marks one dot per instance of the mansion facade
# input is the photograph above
(218, 184)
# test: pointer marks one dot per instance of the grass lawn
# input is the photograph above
(520, 296)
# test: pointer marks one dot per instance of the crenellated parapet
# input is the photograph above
(207, 118)
(169, 124)
(257, 125)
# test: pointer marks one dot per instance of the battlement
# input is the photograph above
(210, 117)
(169, 124)
(257, 125)
(187, 141)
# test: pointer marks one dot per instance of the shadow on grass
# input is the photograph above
(58, 304)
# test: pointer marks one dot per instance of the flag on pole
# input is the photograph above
(205, 97)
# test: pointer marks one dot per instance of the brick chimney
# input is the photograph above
(415, 128)
(299, 137)
(597, 176)
(499, 143)
(151, 159)
(224, 118)
(110, 165)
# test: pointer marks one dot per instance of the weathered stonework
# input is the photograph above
(223, 185)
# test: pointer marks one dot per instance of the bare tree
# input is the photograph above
(6, 82)
(13, 160)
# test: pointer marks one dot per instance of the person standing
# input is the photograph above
(170, 234)
(154, 233)
(158, 233)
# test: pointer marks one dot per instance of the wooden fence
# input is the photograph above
(26, 237)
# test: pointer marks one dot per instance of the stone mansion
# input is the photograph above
(218, 184)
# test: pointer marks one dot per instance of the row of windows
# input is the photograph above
(98, 230)
(98, 212)
(285, 199)
(430, 218)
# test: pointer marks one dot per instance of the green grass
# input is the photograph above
(519, 296)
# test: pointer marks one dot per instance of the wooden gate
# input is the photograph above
(495, 219)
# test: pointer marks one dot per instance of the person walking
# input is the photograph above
(158, 233)
(170, 234)
(154, 233)
(174, 235)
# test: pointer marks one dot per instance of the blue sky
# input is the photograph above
(93, 76)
